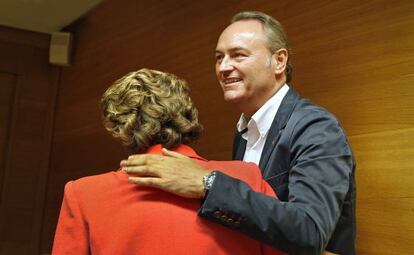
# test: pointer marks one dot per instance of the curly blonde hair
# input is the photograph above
(149, 107)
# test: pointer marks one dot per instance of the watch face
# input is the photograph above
(209, 179)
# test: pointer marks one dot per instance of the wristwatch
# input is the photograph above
(208, 181)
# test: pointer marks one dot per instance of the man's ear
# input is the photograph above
(281, 58)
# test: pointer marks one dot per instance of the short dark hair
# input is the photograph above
(273, 31)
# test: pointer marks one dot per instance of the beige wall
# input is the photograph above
(356, 58)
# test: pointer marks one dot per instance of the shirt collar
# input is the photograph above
(265, 115)
(181, 148)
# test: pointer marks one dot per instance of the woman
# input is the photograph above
(105, 214)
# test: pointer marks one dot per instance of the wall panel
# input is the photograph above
(28, 86)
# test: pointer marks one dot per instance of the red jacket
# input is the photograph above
(105, 214)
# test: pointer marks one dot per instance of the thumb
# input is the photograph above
(172, 153)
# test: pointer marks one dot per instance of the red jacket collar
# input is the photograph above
(182, 149)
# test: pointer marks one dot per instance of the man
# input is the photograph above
(301, 149)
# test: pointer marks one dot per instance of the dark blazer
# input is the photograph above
(308, 161)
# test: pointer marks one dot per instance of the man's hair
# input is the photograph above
(149, 107)
(273, 30)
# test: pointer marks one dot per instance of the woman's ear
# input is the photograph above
(281, 58)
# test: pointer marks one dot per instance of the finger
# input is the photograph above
(138, 159)
(134, 156)
(143, 159)
(172, 153)
(146, 181)
(139, 170)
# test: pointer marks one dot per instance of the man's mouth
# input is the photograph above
(228, 81)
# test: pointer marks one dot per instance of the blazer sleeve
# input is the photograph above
(71, 235)
(319, 177)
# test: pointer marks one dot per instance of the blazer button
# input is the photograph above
(237, 223)
(217, 214)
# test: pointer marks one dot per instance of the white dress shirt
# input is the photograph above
(259, 124)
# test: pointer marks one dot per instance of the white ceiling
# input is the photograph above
(46, 16)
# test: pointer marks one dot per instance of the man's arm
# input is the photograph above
(318, 182)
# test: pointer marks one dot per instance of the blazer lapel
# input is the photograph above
(278, 124)
(239, 146)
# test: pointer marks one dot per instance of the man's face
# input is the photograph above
(245, 67)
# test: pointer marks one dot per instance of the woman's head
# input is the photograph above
(149, 107)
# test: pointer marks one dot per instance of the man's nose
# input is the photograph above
(226, 65)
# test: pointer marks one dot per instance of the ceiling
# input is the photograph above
(45, 16)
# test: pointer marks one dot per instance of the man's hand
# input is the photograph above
(174, 173)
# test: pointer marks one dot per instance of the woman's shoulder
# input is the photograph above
(95, 183)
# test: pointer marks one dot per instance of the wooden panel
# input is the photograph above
(360, 64)
(16, 231)
(385, 226)
(24, 38)
(28, 138)
(385, 198)
(7, 88)
(385, 164)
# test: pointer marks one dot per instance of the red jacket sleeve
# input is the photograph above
(71, 235)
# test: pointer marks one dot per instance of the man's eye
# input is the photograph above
(239, 55)
(219, 58)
